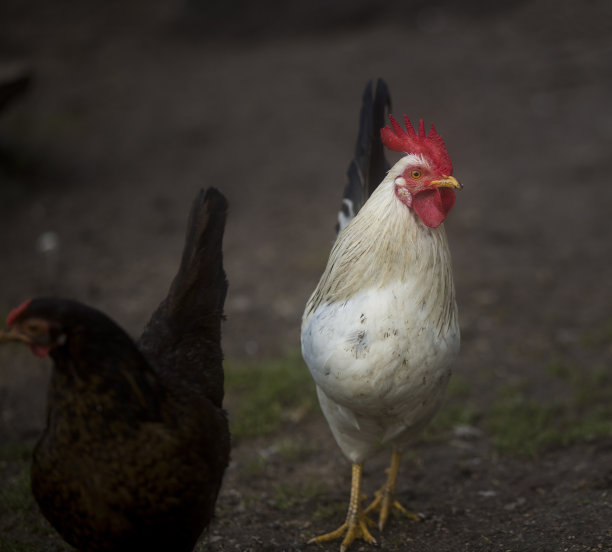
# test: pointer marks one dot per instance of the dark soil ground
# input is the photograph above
(133, 106)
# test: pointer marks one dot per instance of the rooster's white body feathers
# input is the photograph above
(381, 329)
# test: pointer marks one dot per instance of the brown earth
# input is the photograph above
(135, 105)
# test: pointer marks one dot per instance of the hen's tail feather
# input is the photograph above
(200, 285)
(369, 165)
(182, 340)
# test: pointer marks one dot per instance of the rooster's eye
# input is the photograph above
(416, 174)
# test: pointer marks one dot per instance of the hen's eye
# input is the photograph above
(33, 328)
(416, 174)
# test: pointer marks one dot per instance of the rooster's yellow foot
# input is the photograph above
(356, 524)
(384, 499)
(351, 529)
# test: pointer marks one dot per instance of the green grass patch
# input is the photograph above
(16, 494)
(458, 409)
(286, 496)
(15, 491)
(521, 425)
(253, 466)
(265, 394)
(14, 451)
(293, 449)
(47, 543)
(11, 546)
(332, 510)
(588, 388)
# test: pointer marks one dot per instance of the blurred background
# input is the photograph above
(114, 114)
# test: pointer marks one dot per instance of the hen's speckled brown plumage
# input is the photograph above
(136, 441)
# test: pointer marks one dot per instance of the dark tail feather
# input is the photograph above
(183, 338)
(369, 165)
(200, 285)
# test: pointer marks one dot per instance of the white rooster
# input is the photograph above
(380, 330)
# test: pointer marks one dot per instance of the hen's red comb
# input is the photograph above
(432, 145)
(12, 316)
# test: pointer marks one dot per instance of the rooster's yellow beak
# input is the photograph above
(447, 182)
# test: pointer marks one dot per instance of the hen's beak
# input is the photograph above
(12, 334)
(447, 182)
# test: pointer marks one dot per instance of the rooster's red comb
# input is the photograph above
(431, 145)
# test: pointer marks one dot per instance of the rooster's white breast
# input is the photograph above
(380, 361)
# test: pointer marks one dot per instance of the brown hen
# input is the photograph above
(136, 441)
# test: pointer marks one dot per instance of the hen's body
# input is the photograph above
(136, 441)
(381, 329)
(128, 465)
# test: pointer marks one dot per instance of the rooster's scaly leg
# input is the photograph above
(356, 524)
(384, 499)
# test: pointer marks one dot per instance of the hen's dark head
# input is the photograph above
(36, 323)
(84, 342)
(47, 325)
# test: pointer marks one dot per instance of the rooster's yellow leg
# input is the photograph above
(384, 498)
(356, 524)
